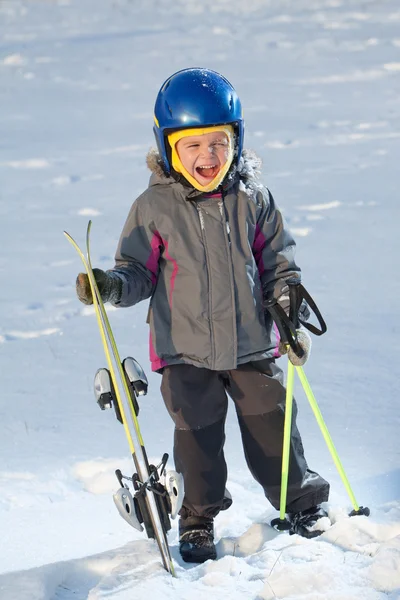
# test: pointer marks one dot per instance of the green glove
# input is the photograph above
(109, 284)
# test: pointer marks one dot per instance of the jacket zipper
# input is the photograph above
(225, 221)
(203, 235)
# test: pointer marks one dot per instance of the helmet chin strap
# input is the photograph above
(173, 139)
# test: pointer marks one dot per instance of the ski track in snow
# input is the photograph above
(11, 336)
(320, 84)
(30, 163)
(57, 317)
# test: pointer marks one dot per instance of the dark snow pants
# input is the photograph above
(196, 399)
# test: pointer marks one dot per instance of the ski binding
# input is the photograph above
(166, 486)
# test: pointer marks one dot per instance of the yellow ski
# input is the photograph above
(125, 406)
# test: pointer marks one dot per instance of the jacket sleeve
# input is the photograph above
(136, 258)
(274, 250)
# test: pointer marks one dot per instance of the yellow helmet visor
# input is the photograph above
(174, 138)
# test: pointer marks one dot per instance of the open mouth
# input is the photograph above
(208, 172)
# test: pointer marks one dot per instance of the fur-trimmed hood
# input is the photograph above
(247, 172)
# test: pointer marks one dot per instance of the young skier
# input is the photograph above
(208, 245)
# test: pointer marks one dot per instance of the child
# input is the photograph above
(207, 244)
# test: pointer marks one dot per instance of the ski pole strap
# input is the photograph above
(298, 293)
(286, 327)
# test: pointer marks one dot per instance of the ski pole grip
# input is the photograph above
(287, 331)
(275, 311)
(295, 299)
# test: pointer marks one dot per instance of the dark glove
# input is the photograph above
(109, 284)
(304, 342)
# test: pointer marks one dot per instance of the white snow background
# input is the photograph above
(320, 85)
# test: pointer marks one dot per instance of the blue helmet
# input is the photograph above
(196, 98)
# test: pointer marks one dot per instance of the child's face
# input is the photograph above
(203, 156)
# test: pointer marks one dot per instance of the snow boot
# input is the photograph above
(305, 522)
(196, 539)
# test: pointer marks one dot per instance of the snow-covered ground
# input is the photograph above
(320, 83)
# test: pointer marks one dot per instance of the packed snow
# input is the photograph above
(320, 85)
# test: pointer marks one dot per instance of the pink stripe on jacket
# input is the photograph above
(258, 247)
(157, 242)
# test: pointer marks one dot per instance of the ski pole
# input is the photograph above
(324, 430)
(288, 337)
(286, 444)
(287, 326)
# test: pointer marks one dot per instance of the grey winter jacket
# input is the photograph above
(207, 262)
